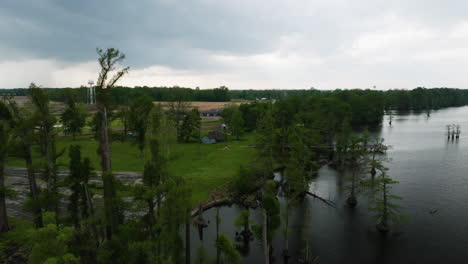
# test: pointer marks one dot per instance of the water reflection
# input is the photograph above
(433, 175)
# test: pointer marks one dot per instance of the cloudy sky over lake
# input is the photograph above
(242, 44)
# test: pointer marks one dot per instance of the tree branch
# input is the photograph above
(328, 202)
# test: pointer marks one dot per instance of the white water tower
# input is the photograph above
(91, 93)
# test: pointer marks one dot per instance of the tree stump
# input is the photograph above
(351, 201)
(382, 228)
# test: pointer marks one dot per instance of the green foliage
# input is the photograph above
(123, 95)
(49, 218)
(251, 114)
(418, 99)
(142, 252)
(174, 213)
(246, 180)
(243, 220)
(228, 250)
(271, 205)
(124, 115)
(73, 118)
(202, 256)
(50, 245)
(236, 125)
(190, 128)
(138, 114)
(20, 235)
(300, 163)
(77, 181)
(96, 121)
(383, 206)
(112, 204)
(265, 141)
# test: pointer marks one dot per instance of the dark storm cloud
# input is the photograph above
(172, 33)
(297, 42)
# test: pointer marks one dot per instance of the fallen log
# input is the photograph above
(328, 202)
(209, 205)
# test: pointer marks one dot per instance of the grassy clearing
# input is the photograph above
(205, 167)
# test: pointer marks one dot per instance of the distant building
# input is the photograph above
(207, 140)
(214, 137)
(264, 99)
(211, 112)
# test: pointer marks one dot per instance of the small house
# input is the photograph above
(214, 137)
(207, 140)
(211, 112)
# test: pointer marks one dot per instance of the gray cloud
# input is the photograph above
(333, 43)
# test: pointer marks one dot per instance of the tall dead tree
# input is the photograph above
(109, 60)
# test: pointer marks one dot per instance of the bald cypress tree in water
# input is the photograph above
(383, 206)
(356, 160)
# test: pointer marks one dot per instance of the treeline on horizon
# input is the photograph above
(416, 99)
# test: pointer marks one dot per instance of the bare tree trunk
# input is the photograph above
(385, 206)
(187, 242)
(50, 172)
(125, 131)
(286, 233)
(217, 236)
(48, 156)
(4, 226)
(90, 212)
(89, 200)
(107, 178)
(151, 216)
(38, 223)
(104, 142)
(266, 248)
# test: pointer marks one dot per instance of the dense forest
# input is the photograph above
(415, 99)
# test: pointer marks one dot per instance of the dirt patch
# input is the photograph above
(23, 101)
(203, 106)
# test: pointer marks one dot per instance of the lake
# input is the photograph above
(433, 175)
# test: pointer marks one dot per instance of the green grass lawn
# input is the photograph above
(205, 167)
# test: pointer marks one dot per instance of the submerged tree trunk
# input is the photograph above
(385, 213)
(383, 225)
(352, 201)
(266, 248)
(286, 233)
(4, 226)
(34, 192)
(217, 235)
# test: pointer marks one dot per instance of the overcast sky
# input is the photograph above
(242, 44)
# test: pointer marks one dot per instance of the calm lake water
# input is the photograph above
(433, 175)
